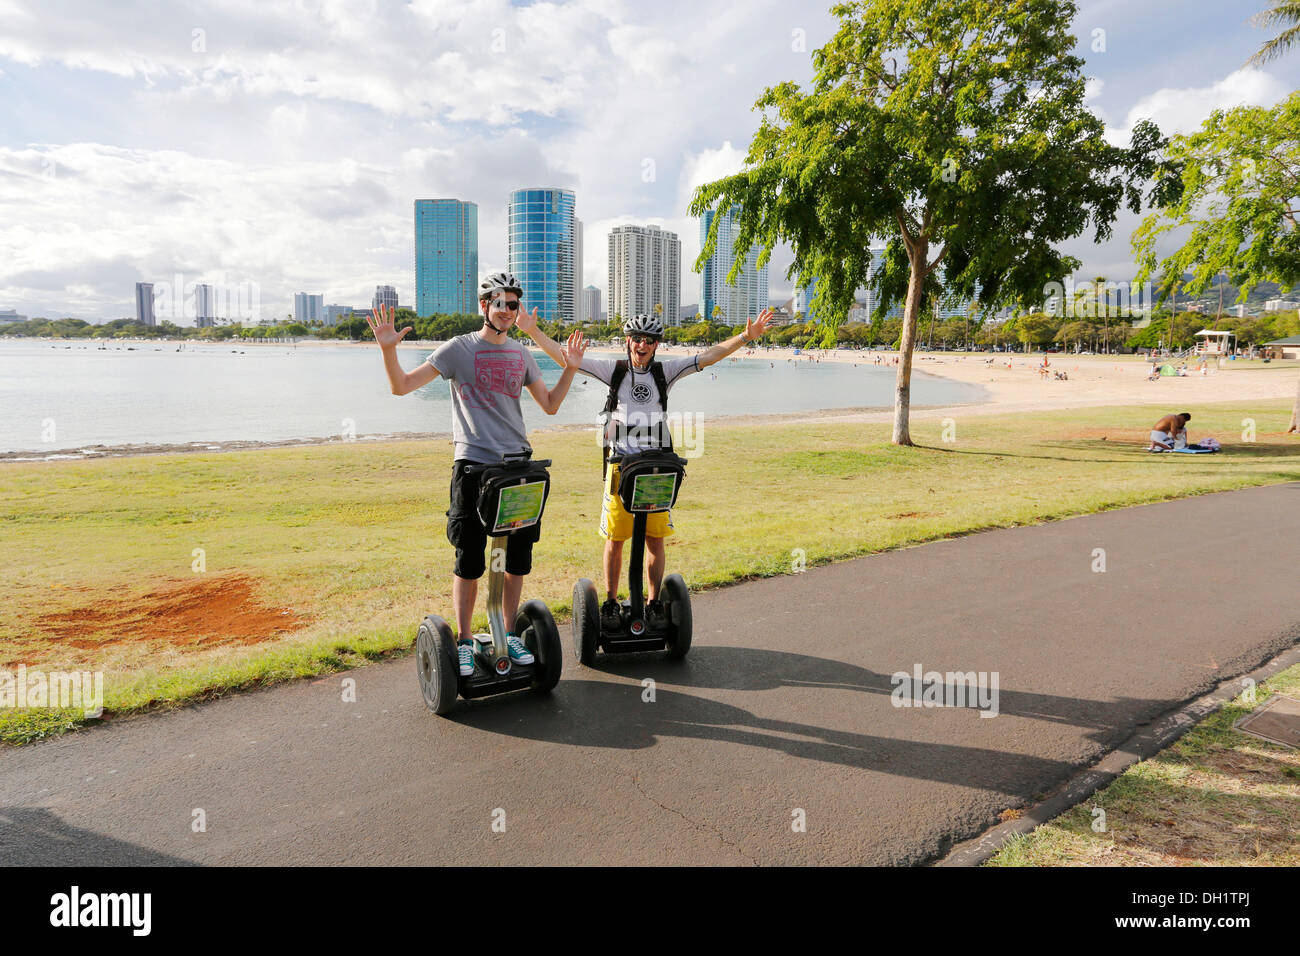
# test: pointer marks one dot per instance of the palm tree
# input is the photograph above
(1099, 288)
(1285, 13)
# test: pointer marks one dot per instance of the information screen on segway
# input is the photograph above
(653, 492)
(519, 506)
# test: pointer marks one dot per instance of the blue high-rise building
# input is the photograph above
(446, 257)
(748, 297)
(545, 251)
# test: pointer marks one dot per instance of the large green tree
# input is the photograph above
(953, 130)
(1235, 183)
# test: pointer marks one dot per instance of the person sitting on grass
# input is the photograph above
(637, 424)
(1165, 433)
(487, 371)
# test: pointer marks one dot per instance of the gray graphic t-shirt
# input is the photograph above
(638, 416)
(486, 381)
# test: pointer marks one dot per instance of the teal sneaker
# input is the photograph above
(519, 652)
(465, 649)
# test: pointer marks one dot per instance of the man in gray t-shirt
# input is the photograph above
(486, 380)
(487, 373)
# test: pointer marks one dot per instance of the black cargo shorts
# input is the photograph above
(467, 535)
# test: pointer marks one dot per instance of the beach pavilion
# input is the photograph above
(1288, 347)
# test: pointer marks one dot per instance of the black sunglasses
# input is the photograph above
(511, 305)
(643, 339)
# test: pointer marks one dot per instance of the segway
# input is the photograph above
(512, 496)
(648, 482)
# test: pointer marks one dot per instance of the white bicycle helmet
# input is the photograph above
(644, 325)
(499, 282)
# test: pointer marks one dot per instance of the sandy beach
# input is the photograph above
(1093, 380)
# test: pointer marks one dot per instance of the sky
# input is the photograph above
(280, 145)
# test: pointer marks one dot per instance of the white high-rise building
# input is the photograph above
(308, 308)
(749, 296)
(144, 303)
(590, 304)
(384, 295)
(644, 272)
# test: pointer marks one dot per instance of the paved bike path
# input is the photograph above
(784, 705)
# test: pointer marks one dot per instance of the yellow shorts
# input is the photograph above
(616, 523)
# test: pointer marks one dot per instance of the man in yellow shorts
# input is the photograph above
(638, 401)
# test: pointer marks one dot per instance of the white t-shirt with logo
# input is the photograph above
(638, 417)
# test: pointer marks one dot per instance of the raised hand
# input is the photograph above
(574, 349)
(380, 321)
(526, 322)
(754, 328)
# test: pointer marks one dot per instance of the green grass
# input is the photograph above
(1217, 797)
(351, 537)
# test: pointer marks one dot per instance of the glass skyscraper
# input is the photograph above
(446, 257)
(748, 297)
(545, 251)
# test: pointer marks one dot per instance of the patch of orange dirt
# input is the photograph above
(202, 613)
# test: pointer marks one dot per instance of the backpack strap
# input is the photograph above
(615, 380)
(611, 402)
(661, 383)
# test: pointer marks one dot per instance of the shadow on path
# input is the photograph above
(735, 668)
(35, 836)
(598, 714)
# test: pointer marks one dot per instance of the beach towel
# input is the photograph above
(1202, 447)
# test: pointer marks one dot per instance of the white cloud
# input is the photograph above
(1184, 109)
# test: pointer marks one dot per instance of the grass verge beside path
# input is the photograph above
(318, 558)
(1216, 797)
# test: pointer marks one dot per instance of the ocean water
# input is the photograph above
(67, 395)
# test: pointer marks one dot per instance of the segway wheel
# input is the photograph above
(586, 622)
(437, 664)
(535, 624)
(678, 601)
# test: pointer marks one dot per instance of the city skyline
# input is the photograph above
(199, 119)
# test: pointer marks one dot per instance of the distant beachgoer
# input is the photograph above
(1165, 433)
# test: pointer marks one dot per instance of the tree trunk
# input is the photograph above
(1295, 412)
(903, 385)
